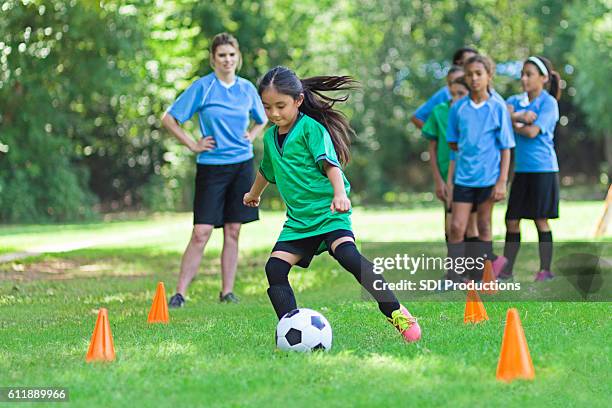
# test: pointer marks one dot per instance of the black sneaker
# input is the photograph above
(228, 298)
(176, 301)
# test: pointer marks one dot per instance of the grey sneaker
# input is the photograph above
(228, 298)
(176, 301)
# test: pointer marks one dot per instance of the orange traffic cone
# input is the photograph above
(514, 359)
(101, 347)
(488, 276)
(159, 308)
(474, 309)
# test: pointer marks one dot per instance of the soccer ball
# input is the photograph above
(303, 330)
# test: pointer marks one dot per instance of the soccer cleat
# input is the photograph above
(405, 324)
(176, 301)
(499, 264)
(543, 275)
(506, 276)
(228, 298)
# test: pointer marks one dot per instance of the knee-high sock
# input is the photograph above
(363, 270)
(280, 292)
(455, 250)
(472, 250)
(511, 248)
(546, 249)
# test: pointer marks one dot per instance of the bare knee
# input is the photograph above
(201, 233)
(457, 228)
(231, 232)
(513, 225)
(542, 225)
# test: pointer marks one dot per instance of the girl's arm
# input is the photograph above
(253, 197)
(340, 202)
(441, 191)
(499, 191)
(255, 131)
(530, 131)
(202, 145)
(449, 182)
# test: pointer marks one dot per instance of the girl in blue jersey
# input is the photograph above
(480, 131)
(534, 193)
(225, 104)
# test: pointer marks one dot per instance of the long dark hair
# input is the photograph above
(554, 79)
(458, 55)
(317, 105)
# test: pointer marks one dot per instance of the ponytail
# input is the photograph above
(317, 105)
(320, 107)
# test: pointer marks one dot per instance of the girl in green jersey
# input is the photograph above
(304, 153)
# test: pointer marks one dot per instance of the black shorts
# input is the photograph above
(533, 196)
(474, 195)
(449, 210)
(309, 247)
(219, 189)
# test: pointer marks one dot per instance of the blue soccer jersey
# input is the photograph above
(537, 154)
(224, 112)
(480, 132)
(423, 111)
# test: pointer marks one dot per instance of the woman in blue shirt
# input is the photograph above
(225, 104)
(534, 193)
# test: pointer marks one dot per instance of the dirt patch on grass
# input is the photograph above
(61, 269)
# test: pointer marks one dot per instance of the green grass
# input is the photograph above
(223, 355)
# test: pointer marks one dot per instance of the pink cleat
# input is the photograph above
(406, 324)
(499, 264)
(543, 275)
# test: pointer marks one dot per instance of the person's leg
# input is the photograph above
(346, 253)
(545, 246)
(193, 256)
(485, 235)
(456, 244)
(280, 292)
(512, 245)
(472, 227)
(229, 256)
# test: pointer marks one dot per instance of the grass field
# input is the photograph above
(223, 355)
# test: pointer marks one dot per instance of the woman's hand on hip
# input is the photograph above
(205, 144)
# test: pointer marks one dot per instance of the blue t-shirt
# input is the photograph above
(423, 111)
(223, 113)
(536, 154)
(480, 133)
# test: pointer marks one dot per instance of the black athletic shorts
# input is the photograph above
(219, 189)
(310, 246)
(474, 195)
(533, 196)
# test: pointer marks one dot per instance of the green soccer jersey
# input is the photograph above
(435, 129)
(297, 170)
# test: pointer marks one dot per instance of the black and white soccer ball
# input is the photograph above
(303, 330)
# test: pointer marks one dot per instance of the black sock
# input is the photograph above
(471, 251)
(363, 270)
(455, 250)
(546, 249)
(280, 292)
(511, 248)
